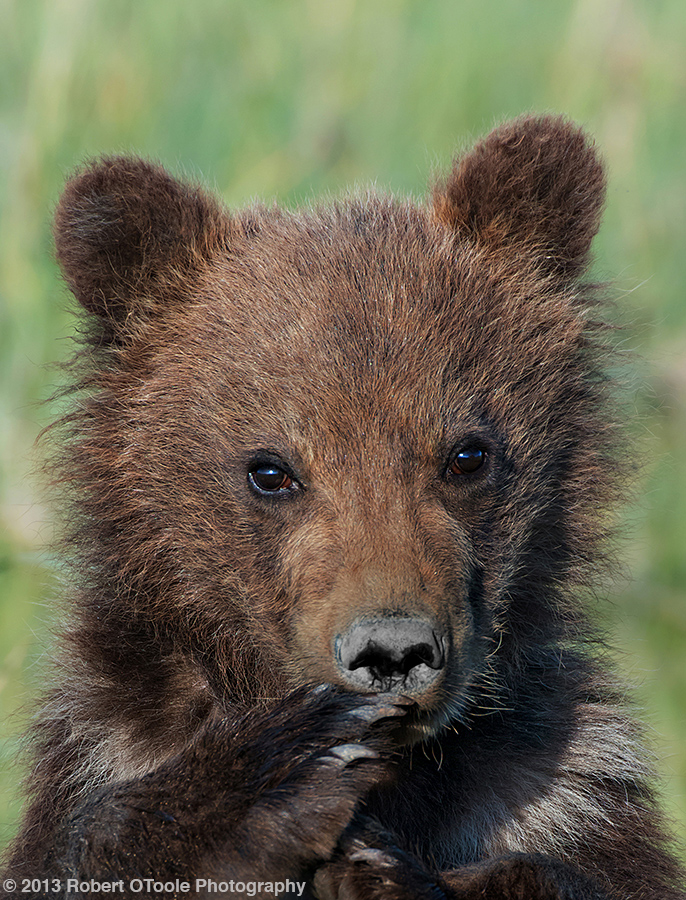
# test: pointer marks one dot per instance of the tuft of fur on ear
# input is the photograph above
(128, 235)
(535, 184)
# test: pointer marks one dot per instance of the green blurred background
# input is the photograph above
(292, 100)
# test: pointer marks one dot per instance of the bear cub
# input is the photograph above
(337, 481)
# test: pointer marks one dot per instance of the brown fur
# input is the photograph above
(356, 349)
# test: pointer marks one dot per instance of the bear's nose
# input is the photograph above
(400, 654)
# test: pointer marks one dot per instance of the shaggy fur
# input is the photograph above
(338, 481)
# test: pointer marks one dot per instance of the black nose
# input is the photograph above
(401, 654)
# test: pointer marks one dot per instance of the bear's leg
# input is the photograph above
(368, 866)
(262, 799)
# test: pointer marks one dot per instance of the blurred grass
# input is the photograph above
(299, 99)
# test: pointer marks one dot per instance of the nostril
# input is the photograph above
(390, 653)
(387, 661)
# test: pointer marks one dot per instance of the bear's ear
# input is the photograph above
(128, 236)
(535, 184)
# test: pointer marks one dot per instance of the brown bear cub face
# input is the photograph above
(367, 439)
(338, 479)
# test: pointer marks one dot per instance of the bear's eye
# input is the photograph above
(467, 461)
(270, 479)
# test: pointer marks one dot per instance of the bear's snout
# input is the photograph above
(390, 653)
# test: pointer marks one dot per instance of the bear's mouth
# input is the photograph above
(421, 724)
